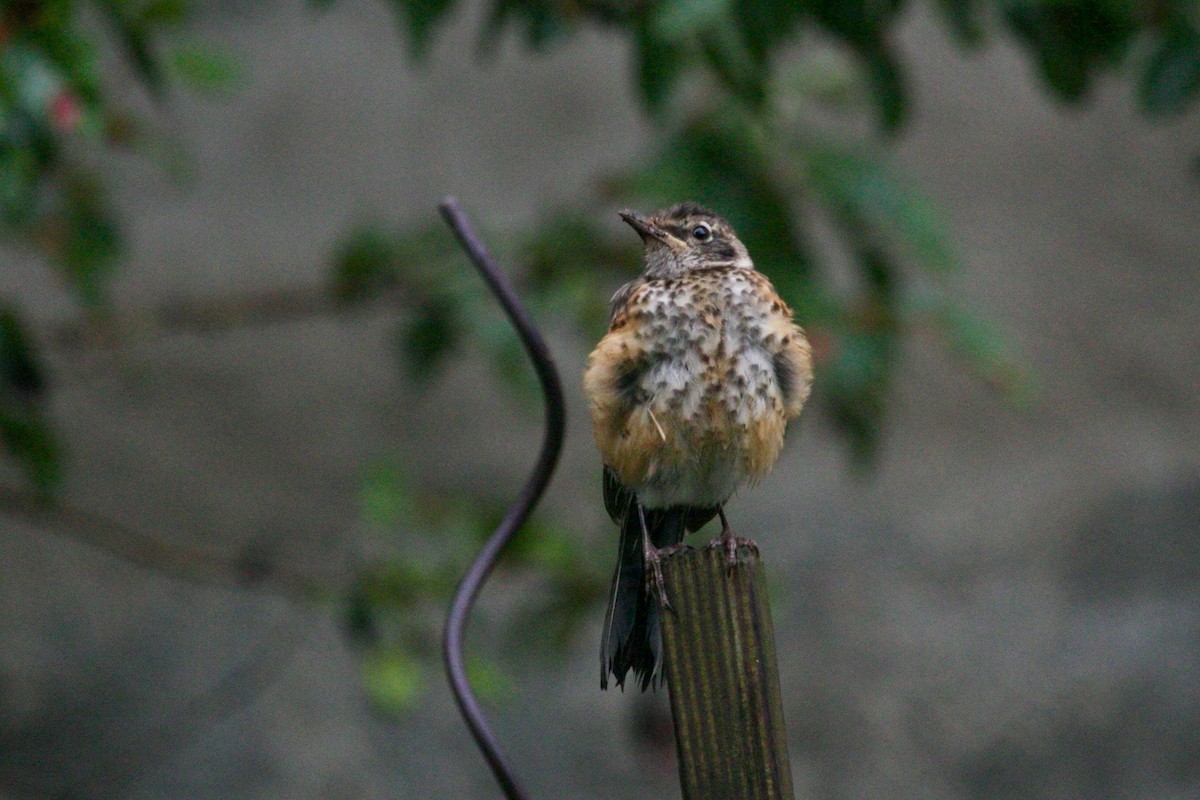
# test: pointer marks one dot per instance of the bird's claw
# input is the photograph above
(654, 575)
(730, 544)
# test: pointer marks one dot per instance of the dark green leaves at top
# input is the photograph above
(965, 20)
(864, 26)
(1072, 40)
(1172, 77)
(420, 19)
(886, 84)
(659, 63)
(164, 13)
(732, 64)
(766, 24)
(731, 41)
(856, 22)
(544, 21)
(134, 33)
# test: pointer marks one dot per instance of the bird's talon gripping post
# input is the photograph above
(653, 561)
(660, 588)
(654, 576)
(730, 542)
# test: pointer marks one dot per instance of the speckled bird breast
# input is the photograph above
(709, 406)
(704, 339)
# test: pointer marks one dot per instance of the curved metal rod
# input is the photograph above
(464, 598)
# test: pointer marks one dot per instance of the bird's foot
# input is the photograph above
(654, 579)
(730, 545)
(654, 575)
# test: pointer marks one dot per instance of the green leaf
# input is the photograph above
(568, 245)
(734, 66)
(393, 679)
(861, 185)
(20, 172)
(386, 496)
(545, 22)
(366, 262)
(25, 434)
(421, 18)
(766, 24)
(660, 63)
(538, 542)
(887, 85)
(163, 13)
(91, 245)
(544, 26)
(359, 617)
(133, 34)
(1172, 77)
(428, 337)
(855, 386)
(985, 351)
(492, 683)
(205, 69)
(29, 439)
(858, 23)
(509, 364)
(1072, 40)
(19, 368)
(676, 20)
(963, 18)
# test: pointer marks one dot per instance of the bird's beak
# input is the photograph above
(646, 229)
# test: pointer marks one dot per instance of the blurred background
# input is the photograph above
(257, 411)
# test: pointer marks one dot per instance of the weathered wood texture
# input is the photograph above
(719, 651)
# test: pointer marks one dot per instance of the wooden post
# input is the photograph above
(719, 657)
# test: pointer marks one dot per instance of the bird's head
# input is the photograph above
(686, 238)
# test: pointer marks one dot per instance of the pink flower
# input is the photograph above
(65, 111)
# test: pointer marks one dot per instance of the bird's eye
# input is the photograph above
(701, 233)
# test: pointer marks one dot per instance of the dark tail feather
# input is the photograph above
(631, 626)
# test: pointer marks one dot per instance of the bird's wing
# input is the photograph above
(620, 298)
(791, 354)
(616, 496)
(612, 384)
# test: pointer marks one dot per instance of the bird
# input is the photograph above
(690, 393)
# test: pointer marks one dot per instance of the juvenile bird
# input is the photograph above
(690, 392)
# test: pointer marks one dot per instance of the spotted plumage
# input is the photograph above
(690, 392)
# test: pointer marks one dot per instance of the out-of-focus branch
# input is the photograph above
(245, 570)
(206, 315)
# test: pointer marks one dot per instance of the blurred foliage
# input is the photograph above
(24, 431)
(396, 606)
(57, 114)
(759, 108)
